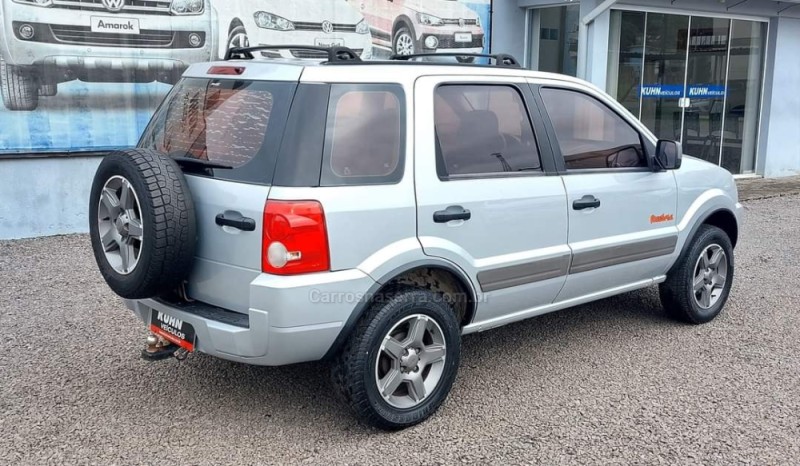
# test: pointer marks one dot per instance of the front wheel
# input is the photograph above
(19, 87)
(698, 286)
(403, 43)
(399, 364)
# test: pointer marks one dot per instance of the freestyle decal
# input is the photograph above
(661, 218)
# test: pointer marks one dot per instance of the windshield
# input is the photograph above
(229, 122)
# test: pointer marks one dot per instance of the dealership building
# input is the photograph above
(721, 76)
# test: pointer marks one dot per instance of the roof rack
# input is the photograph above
(335, 54)
(500, 59)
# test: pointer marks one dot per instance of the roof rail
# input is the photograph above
(500, 59)
(335, 54)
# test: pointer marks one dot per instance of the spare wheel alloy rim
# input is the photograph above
(119, 225)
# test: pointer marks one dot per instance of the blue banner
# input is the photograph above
(675, 91)
(700, 91)
(652, 91)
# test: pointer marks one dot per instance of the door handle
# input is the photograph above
(454, 212)
(230, 218)
(586, 202)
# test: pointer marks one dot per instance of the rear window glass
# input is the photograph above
(225, 121)
(364, 135)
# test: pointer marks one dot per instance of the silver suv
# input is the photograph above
(279, 211)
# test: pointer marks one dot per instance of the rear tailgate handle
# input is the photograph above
(230, 218)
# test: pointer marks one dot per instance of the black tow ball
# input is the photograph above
(158, 349)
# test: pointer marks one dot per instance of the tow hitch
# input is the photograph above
(158, 349)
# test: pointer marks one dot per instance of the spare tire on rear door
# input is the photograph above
(142, 223)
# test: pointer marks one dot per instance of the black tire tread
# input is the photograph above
(48, 90)
(347, 368)
(674, 293)
(19, 89)
(171, 244)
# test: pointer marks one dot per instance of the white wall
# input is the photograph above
(779, 153)
(41, 197)
(508, 28)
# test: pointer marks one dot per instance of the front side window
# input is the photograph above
(483, 129)
(590, 134)
(364, 135)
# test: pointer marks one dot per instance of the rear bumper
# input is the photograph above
(292, 319)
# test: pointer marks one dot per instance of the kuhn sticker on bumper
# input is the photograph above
(173, 329)
(115, 25)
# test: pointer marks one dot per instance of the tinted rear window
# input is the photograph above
(230, 122)
(364, 137)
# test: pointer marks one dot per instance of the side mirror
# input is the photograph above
(668, 155)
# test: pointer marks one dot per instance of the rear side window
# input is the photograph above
(590, 134)
(230, 122)
(483, 129)
(364, 135)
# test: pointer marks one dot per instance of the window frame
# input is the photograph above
(546, 165)
(647, 146)
(337, 90)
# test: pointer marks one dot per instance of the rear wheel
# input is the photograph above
(237, 38)
(18, 87)
(399, 364)
(697, 288)
(48, 90)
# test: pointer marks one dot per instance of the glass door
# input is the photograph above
(697, 80)
(664, 74)
(704, 95)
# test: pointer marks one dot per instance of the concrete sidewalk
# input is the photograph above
(763, 188)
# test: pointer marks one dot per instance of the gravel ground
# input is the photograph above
(614, 381)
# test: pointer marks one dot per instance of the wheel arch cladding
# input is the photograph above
(725, 221)
(432, 275)
(403, 20)
(236, 22)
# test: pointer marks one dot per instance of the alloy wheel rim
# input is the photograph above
(710, 276)
(410, 363)
(405, 44)
(239, 40)
(120, 225)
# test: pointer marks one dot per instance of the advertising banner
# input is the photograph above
(86, 75)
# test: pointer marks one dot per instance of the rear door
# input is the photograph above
(622, 227)
(236, 125)
(485, 199)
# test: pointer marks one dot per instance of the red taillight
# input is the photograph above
(227, 70)
(295, 238)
